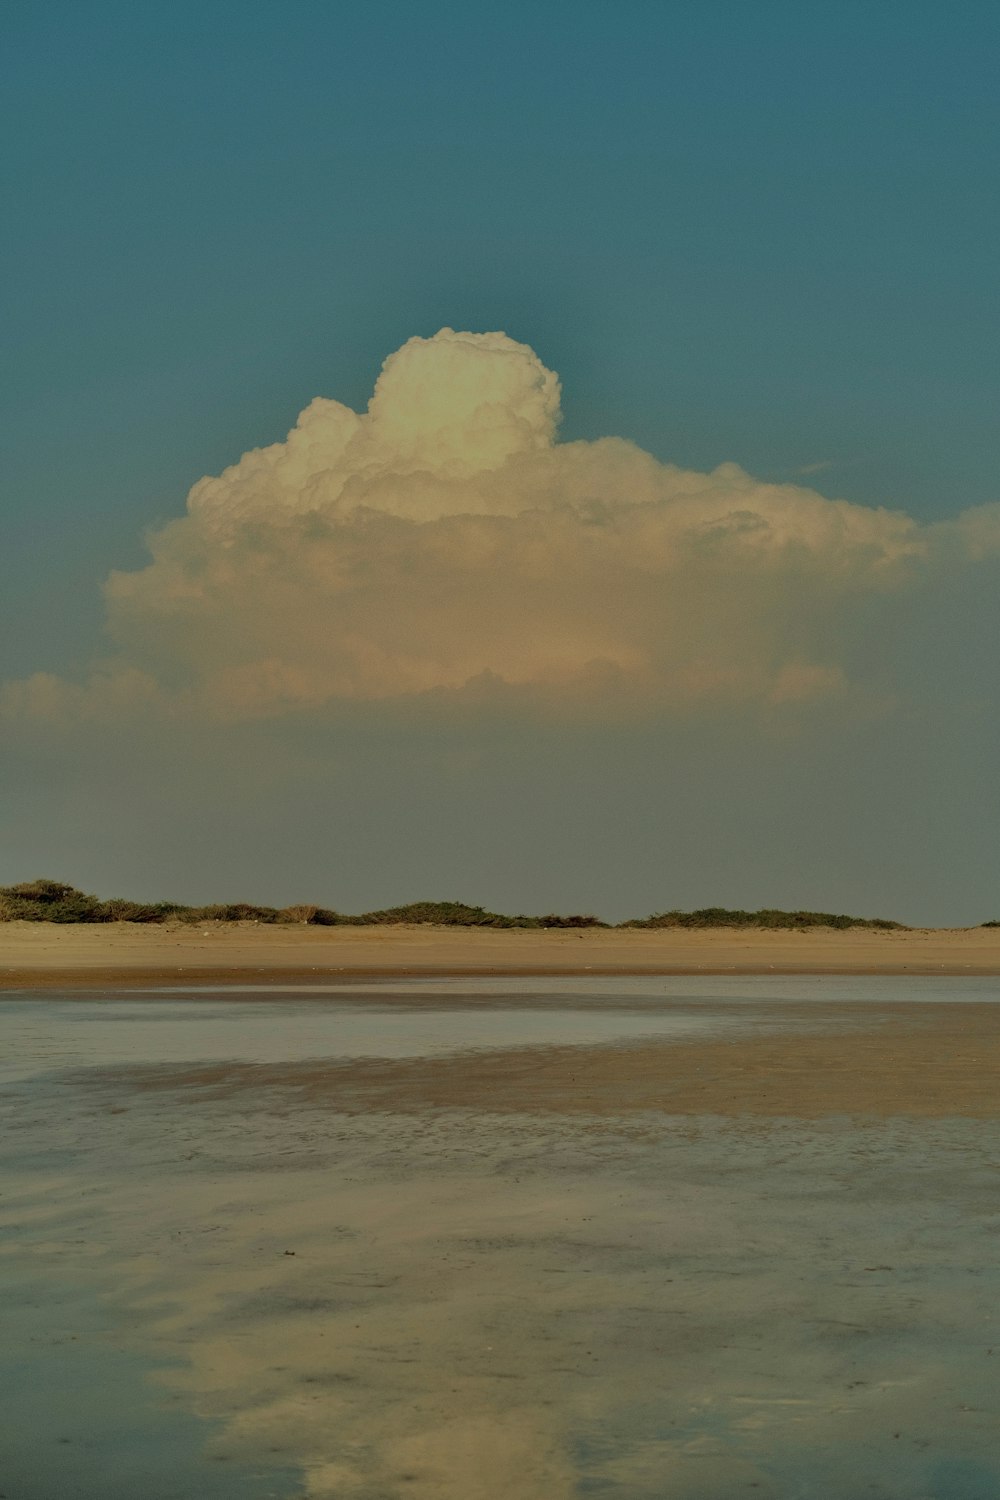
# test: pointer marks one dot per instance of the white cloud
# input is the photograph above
(444, 540)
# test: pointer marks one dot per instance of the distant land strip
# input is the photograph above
(55, 901)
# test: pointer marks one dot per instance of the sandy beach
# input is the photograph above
(45, 955)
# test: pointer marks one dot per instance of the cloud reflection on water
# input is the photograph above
(481, 1306)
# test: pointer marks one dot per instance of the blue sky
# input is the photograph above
(755, 232)
(763, 233)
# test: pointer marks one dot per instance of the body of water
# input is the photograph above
(217, 1296)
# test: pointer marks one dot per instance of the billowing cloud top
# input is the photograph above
(444, 541)
(445, 411)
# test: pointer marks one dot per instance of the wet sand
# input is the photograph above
(922, 1061)
(46, 956)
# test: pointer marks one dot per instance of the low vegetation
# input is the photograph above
(52, 901)
(719, 916)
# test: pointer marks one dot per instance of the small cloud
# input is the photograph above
(816, 468)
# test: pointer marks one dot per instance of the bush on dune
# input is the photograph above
(458, 914)
(315, 916)
(47, 901)
(237, 911)
(54, 901)
(554, 920)
(720, 916)
(439, 914)
(120, 910)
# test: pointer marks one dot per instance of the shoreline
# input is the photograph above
(40, 956)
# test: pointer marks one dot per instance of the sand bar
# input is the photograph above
(45, 955)
(921, 1061)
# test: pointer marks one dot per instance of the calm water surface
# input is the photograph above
(221, 1297)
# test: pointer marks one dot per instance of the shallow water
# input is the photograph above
(479, 1305)
(62, 1033)
(673, 989)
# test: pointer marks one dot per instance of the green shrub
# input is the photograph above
(297, 914)
(238, 911)
(552, 920)
(53, 901)
(314, 916)
(48, 901)
(120, 910)
(720, 916)
(440, 914)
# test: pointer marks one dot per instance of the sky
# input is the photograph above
(661, 569)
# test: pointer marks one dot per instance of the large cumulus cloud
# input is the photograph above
(444, 542)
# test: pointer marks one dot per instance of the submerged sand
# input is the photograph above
(43, 955)
(926, 1061)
